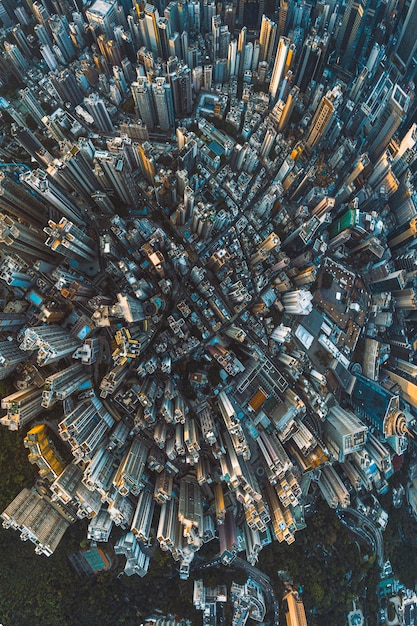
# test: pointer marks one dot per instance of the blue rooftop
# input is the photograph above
(216, 148)
(34, 298)
(85, 330)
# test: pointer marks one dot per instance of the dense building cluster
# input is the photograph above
(207, 263)
(247, 601)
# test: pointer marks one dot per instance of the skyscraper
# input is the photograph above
(164, 34)
(16, 201)
(387, 122)
(21, 64)
(101, 15)
(22, 406)
(152, 30)
(349, 32)
(62, 384)
(43, 33)
(75, 171)
(59, 28)
(52, 343)
(405, 50)
(283, 61)
(249, 13)
(49, 57)
(110, 50)
(15, 272)
(142, 97)
(32, 145)
(22, 239)
(267, 39)
(288, 108)
(162, 96)
(53, 193)
(37, 520)
(10, 356)
(241, 44)
(320, 121)
(22, 41)
(68, 240)
(310, 63)
(32, 105)
(282, 17)
(95, 105)
(115, 173)
(181, 90)
(67, 87)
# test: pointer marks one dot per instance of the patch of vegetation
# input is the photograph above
(332, 569)
(38, 590)
(213, 374)
(400, 535)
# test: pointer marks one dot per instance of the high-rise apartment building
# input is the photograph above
(52, 193)
(96, 106)
(162, 97)
(347, 39)
(249, 13)
(168, 521)
(110, 50)
(320, 122)
(22, 406)
(294, 609)
(405, 51)
(310, 64)
(387, 122)
(32, 145)
(114, 172)
(151, 24)
(181, 91)
(101, 16)
(16, 201)
(142, 519)
(142, 97)
(59, 28)
(15, 271)
(21, 239)
(75, 170)
(32, 105)
(20, 63)
(190, 508)
(37, 520)
(42, 454)
(267, 39)
(85, 428)
(345, 432)
(129, 476)
(283, 62)
(52, 343)
(66, 86)
(99, 474)
(69, 240)
(62, 384)
(10, 357)
(332, 488)
(137, 562)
